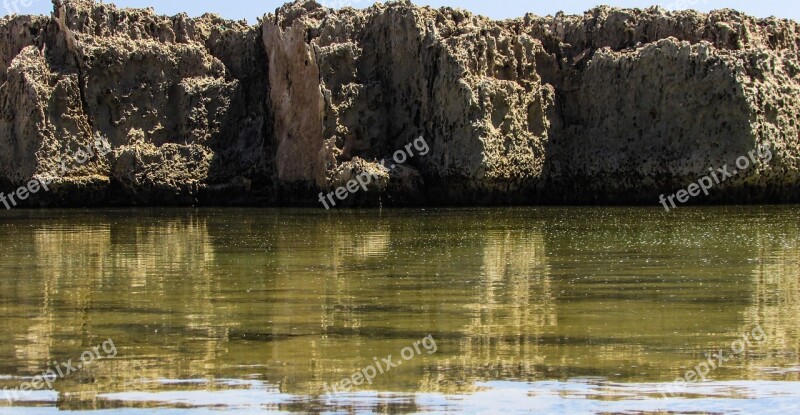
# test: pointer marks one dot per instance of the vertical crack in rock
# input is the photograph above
(73, 48)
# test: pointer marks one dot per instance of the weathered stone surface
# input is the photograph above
(383, 77)
(652, 100)
(181, 101)
(615, 106)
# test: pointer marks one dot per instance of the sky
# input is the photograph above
(497, 9)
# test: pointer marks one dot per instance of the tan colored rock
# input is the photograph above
(182, 101)
(161, 174)
(296, 102)
(656, 99)
(613, 106)
(392, 73)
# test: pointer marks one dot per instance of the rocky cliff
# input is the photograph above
(615, 106)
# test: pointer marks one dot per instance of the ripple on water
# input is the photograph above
(578, 396)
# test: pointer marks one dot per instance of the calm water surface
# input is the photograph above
(552, 310)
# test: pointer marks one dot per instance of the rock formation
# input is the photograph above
(615, 106)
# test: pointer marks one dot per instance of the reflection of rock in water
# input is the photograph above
(160, 248)
(328, 257)
(153, 266)
(360, 246)
(514, 305)
(70, 259)
(170, 264)
(776, 305)
(349, 249)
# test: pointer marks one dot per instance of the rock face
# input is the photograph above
(183, 103)
(615, 106)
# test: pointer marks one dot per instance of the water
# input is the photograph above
(553, 310)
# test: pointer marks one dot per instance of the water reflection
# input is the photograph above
(279, 302)
(775, 306)
(511, 305)
(97, 277)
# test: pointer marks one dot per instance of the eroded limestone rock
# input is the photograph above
(182, 102)
(614, 106)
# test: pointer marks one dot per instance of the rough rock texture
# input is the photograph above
(651, 100)
(182, 101)
(615, 106)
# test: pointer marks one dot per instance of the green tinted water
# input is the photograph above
(248, 310)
